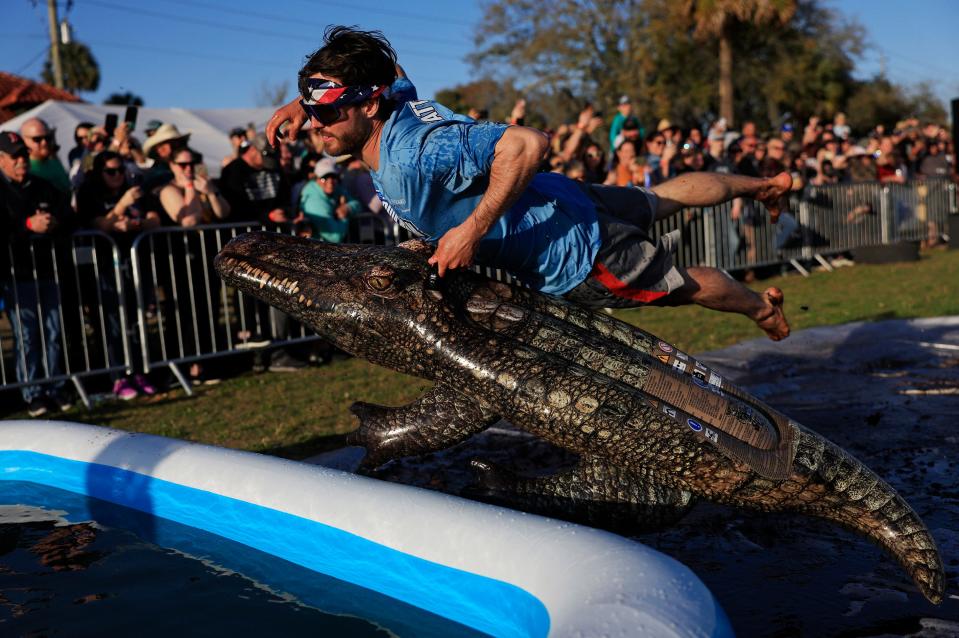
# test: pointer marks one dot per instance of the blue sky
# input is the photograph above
(220, 53)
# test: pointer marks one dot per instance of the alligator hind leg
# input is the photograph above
(594, 492)
(439, 419)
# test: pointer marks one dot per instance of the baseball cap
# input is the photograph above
(324, 167)
(787, 127)
(259, 142)
(624, 99)
(237, 131)
(12, 144)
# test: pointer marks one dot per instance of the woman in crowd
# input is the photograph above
(109, 201)
(620, 173)
(594, 160)
(190, 199)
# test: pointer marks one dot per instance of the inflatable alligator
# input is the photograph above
(652, 426)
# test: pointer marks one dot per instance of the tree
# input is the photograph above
(717, 19)
(80, 69)
(597, 50)
(880, 101)
(271, 94)
(124, 99)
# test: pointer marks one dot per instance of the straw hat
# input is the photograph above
(166, 133)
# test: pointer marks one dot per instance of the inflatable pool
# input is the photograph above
(490, 569)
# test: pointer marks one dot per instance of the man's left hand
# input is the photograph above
(456, 248)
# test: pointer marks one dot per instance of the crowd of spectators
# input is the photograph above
(821, 153)
(123, 185)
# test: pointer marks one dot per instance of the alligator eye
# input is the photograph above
(380, 279)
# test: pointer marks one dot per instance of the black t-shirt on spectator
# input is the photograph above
(253, 193)
(19, 202)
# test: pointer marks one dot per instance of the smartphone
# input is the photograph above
(110, 124)
(130, 117)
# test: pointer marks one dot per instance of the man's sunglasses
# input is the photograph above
(185, 164)
(38, 139)
(322, 113)
(112, 172)
(324, 99)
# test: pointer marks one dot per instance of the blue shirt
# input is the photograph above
(434, 169)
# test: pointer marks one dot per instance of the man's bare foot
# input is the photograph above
(771, 193)
(771, 318)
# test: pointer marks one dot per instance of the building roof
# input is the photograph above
(18, 94)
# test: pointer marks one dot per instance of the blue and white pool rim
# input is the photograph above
(495, 570)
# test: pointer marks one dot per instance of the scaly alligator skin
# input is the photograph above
(652, 426)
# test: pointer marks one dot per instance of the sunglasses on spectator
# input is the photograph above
(112, 171)
(39, 139)
(325, 99)
(185, 164)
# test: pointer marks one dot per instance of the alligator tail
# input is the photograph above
(829, 483)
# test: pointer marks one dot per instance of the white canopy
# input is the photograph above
(209, 128)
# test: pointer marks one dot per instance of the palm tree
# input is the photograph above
(80, 69)
(716, 19)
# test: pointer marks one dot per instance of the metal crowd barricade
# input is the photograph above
(66, 312)
(186, 313)
(162, 304)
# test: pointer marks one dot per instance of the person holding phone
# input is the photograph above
(190, 199)
(35, 220)
(109, 201)
(326, 205)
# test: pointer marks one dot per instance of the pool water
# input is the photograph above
(79, 566)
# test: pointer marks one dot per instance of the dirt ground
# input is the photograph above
(888, 392)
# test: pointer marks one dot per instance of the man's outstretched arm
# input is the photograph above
(516, 159)
(692, 190)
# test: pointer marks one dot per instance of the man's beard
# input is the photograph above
(350, 142)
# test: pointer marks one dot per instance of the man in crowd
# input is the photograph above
(41, 140)
(33, 216)
(622, 121)
(253, 186)
(80, 133)
(474, 189)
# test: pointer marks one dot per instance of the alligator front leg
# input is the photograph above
(594, 492)
(439, 419)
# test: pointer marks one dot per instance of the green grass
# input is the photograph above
(299, 414)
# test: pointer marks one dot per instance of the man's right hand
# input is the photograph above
(292, 113)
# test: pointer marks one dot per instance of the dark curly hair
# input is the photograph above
(353, 57)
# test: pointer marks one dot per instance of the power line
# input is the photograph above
(395, 14)
(32, 60)
(299, 22)
(237, 28)
(193, 55)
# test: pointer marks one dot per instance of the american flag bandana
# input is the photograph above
(333, 94)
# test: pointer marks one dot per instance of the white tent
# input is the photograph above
(209, 128)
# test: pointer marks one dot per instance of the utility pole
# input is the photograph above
(55, 43)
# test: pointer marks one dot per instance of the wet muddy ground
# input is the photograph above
(888, 392)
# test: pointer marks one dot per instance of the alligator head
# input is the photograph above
(581, 380)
